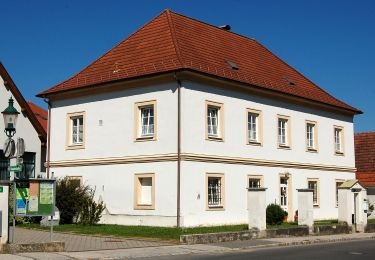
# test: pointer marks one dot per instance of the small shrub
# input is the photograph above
(275, 214)
(69, 199)
(90, 211)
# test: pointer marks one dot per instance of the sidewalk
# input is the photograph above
(179, 250)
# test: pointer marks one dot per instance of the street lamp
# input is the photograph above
(10, 115)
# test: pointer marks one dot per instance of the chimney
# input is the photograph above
(225, 27)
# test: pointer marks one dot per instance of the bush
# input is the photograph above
(275, 214)
(76, 202)
(90, 212)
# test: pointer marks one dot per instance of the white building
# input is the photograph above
(31, 126)
(174, 123)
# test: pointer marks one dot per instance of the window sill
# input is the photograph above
(215, 208)
(145, 138)
(215, 138)
(144, 206)
(339, 153)
(255, 143)
(311, 150)
(283, 146)
(75, 147)
(316, 206)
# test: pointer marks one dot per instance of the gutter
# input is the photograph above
(48, 136)
(178, 215)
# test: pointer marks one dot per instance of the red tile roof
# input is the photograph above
(175, 42)
(365, 157)
(40, 113)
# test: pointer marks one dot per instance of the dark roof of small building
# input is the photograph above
(365, 157)
(172, 42)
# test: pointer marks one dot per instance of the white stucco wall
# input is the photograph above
(193, 188)
(24, 128)
(114, 184)
(194, 96)
(115, 138)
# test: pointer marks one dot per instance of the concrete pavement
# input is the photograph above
(190, 250)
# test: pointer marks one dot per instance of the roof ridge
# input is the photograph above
(362, 133)
(354, 109)
(211, 25)
(173, 35)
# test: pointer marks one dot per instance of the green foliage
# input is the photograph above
(90, 211)
(76, 202)
(275, 214)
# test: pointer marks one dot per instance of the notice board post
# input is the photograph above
(34, 197)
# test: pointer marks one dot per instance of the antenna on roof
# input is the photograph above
(225, 27)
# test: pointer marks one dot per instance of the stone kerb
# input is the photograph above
(256, 201)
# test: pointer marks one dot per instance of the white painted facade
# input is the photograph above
(24, 129)
(111, 156)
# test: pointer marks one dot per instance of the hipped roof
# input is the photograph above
(171, 42)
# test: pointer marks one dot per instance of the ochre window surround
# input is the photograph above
(314, 183)
(215, 191)
(259, 178)
(144, 191)
(145, 121)
(254, 127)
(283, 131)
(338, 140)
(214, 121)
(311, 135)
(338, 182)
(74, 127)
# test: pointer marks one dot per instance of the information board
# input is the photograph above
(35, 197)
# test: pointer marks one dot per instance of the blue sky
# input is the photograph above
(331, 42)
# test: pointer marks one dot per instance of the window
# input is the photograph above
(253, 127)
(28, 168)
(4, 165)
(284, 192)
(339, 145)
(283, 131)
(314, 185)
(76, 181)
(338, 184)
(311, 136)
(144, 197)
(145, 115)
(214, 125)
(215, 191)
(75, 130)
(255, 181)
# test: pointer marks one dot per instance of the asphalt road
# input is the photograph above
(364, 249)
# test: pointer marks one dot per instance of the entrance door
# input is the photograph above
(284, 193)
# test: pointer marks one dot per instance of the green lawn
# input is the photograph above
(326, 222)
(371, 221)
(164, 233)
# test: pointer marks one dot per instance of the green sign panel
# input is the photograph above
(35, 197)
(1, 189)
(16, 168)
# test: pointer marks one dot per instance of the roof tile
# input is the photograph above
(172, 41)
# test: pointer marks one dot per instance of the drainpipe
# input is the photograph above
(178, 149)
(48, 135)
